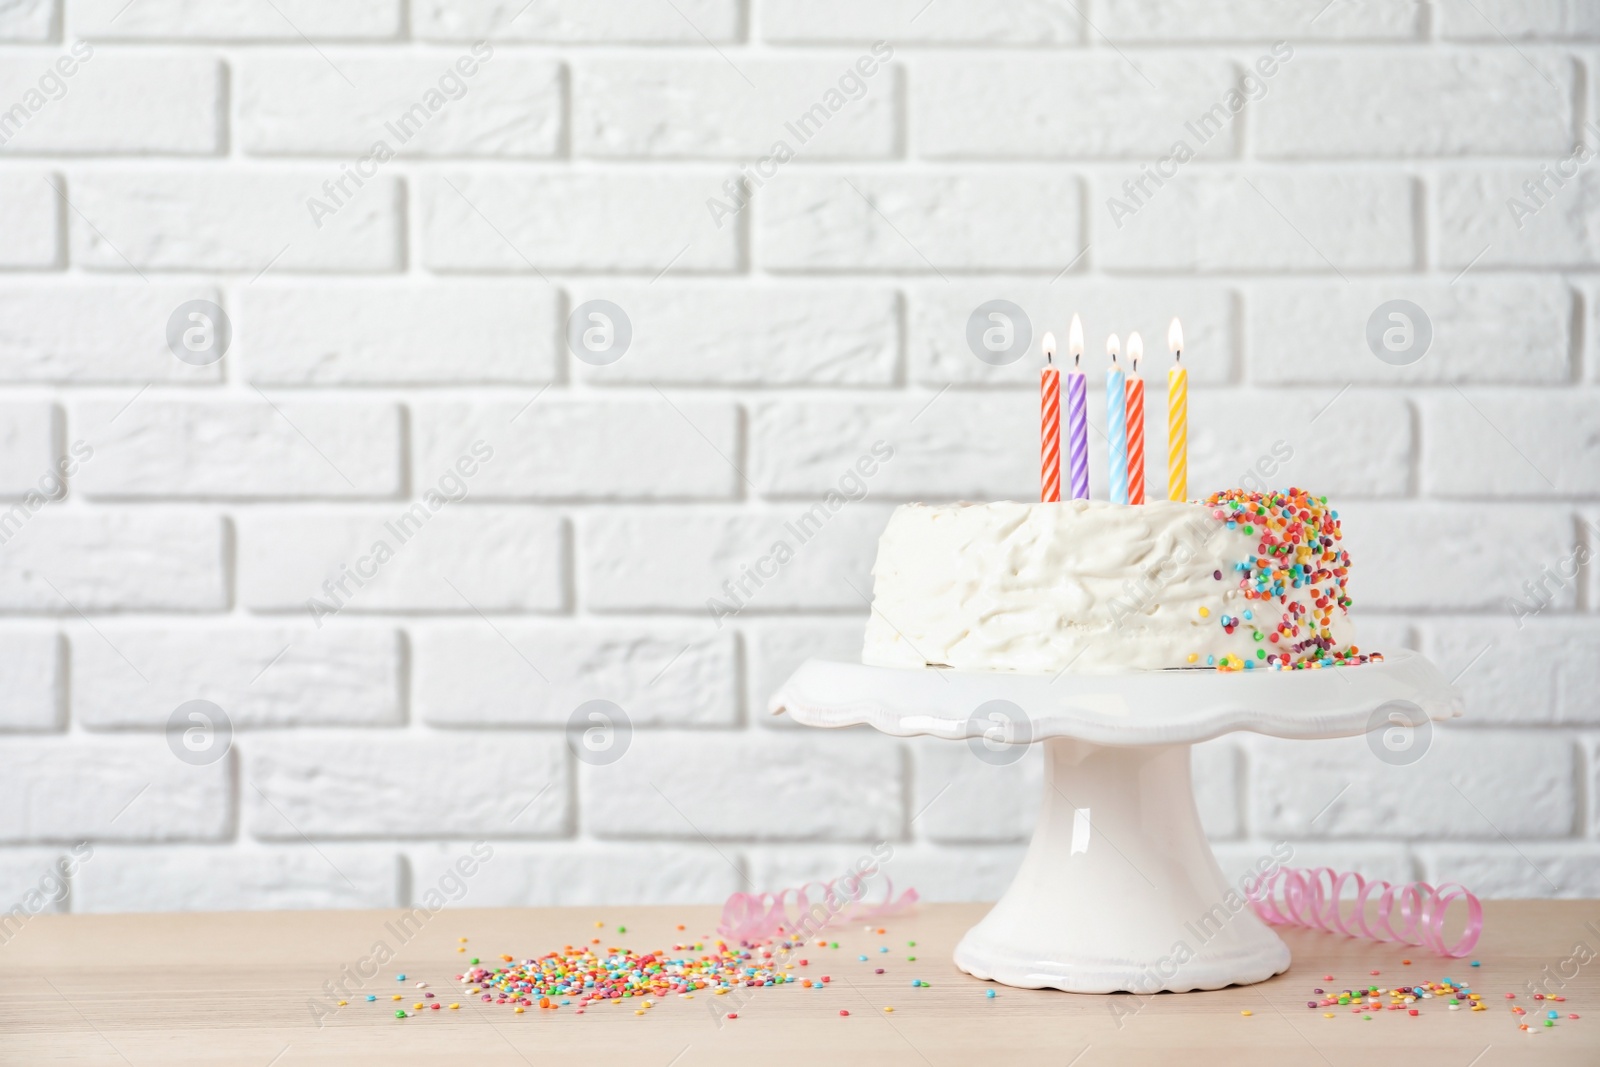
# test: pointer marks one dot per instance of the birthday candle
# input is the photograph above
(1050, 425)
(1077, 416)
(1135, 421)
(1117, 424)
(1177, 418)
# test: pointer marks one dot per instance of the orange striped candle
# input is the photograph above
(1177, 418)
(1049, 425)
(1135, 422)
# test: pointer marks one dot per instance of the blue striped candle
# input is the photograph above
(1117, 424)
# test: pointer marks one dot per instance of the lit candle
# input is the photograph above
(1077, 416)
(1050, 424)
(1117, 424)
(1135, 421)
(1177, 418)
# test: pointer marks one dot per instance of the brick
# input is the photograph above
(776, 649)
(198, 878)
(955, 446)
(401, 333)
(838, 108)
(1218, 770)
(28, 456)
(1471, 103)
(343, 785)
(701, 333)
(1355, 443)
(939, 314)
(30, 216)
(1502, 872)
(960, 874)
(29, 20)
(564, 448)
(414, 105)
(1547, 671)
(231, 221)
(595, 221)
(1037, 107)
(964, 22)
(1215, 221)
(31, 674)
(67, 790)
(87, 333)
(678, 560)
(693, 22)
(293, 21)
(539, 674)
(1292, 782)
(1525, 443)
(581, 874)
(1382, 634)
(957, 797)
(1487, 219)
(852, 784)
(918, 223)
(256, 448)
(1502, 330)
(1187, 21)
(1432, 557)
(1591, 331)
(1391, 863)
(135, 677)
(165, 104)
(1517, 20)
(498, 559)
(31, 881)
(64, 562)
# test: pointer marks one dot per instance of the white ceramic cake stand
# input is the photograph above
(1119, 889)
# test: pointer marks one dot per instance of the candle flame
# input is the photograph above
(1175, 337)
(1135, 349)
(1113, 346)
(1075, 338)
(1049, 348)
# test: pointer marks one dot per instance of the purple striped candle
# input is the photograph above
(1077, 418)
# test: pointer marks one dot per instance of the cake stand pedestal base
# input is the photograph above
(1119, 889)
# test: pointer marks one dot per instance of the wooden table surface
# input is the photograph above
(237, 988)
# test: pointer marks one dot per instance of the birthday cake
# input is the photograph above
(1240, 581)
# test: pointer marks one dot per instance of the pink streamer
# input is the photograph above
(757, 916)
(1312, 898)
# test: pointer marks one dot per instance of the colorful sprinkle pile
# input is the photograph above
(1455, 996)
(582, 976)
(1297, 549)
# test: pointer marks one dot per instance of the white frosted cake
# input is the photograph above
(1240, 581)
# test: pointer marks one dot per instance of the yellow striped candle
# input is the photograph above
(1177, 418)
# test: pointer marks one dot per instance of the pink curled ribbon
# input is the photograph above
(757, 916)
(1412, 913)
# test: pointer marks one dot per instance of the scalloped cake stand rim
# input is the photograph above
(1136, 708)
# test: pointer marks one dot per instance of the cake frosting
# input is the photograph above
(1240, 581)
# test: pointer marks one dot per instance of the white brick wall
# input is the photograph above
(389, 314)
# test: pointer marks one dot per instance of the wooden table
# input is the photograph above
(236, 989)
